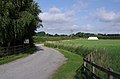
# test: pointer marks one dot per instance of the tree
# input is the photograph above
(18, 19)
(42, 33)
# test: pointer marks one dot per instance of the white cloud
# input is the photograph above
(57, 20)
(107, 16)
(56, 16)
(86, 27)
(79, 6)
(54, 10)
(73, 28)
(68, 29)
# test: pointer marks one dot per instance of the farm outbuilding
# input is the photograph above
(93, 38)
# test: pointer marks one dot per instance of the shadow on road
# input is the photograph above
(39, 48)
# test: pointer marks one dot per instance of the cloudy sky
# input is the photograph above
(71, 16)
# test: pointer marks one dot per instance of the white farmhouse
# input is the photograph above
(93, 38)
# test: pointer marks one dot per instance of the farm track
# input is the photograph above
(40, 65)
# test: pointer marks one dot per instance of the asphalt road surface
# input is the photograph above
(40, 65)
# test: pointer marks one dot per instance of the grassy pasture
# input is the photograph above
(106, 53)
(112, 48)
(110, 45)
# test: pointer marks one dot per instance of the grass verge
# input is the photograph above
(11, 58)
(68, 70)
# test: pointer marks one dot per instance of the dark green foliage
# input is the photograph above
(100, 36)
(109, 37)
(84, 35)
(18, 21)
(41, 33)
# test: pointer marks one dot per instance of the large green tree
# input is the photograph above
(18, 21)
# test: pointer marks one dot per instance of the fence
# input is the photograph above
(4, 51)
(90, 66)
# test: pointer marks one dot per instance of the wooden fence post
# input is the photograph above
(84, 65)
(89, 57)
(93, 68)
(92, 57)
(110, 76)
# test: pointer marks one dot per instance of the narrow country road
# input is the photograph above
(40, 65)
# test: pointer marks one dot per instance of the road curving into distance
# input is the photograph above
(40, 65)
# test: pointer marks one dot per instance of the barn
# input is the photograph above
(93, 38)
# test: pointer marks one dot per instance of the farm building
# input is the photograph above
(93, 38)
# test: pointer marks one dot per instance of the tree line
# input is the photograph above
(18, 21)
(99, 35)
(82, 35)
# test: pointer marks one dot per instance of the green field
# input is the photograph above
(112, 47)
(108, 56)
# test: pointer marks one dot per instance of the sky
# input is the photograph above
(72, 16)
